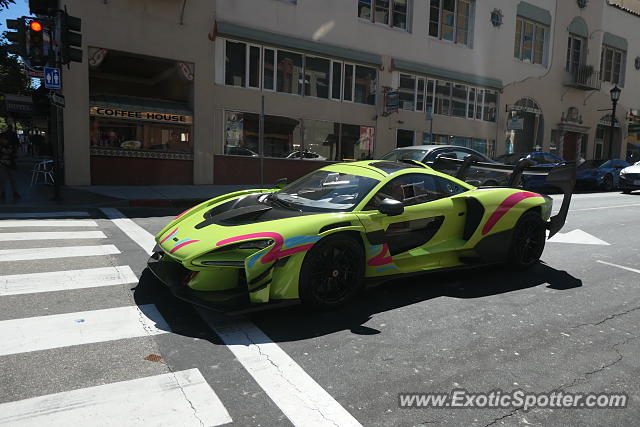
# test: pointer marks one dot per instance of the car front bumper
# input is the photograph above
(629, 182)
(230, 301)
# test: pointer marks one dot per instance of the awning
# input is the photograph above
(534, 13)
(140, 104)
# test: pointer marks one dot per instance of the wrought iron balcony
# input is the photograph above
(584, 77)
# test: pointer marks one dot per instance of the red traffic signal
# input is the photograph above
(35, 26)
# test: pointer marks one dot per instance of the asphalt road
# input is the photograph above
(568, 324)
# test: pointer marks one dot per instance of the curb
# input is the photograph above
(165, 203)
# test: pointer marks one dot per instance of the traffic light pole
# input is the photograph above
(55, 124)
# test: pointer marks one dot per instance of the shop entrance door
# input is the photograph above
(569, 149)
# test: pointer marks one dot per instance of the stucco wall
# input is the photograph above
(147, 27)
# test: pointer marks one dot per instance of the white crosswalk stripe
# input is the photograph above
(57, 252)
(172, 398)
(18, 284)
(45, 215)
(63, 330)
(6, 223)
(51, 235)
(180, 398)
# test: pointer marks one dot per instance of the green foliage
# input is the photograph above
(5, 3)
(12, 77)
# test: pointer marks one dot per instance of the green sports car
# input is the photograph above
(321, 237)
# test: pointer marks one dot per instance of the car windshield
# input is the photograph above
(594, 164)
(511, 159)
(405, 154)
(325, 191)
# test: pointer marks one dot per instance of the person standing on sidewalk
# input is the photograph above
(7, 166)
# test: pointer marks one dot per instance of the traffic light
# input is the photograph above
(37, 57)
(43, 7)
(70, 38)
(17, 39)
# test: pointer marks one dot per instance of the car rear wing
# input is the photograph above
(562, 176)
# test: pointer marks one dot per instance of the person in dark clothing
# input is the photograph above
(7, 166)
(12, 137)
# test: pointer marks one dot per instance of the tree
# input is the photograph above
(12, 77)
(5, 3)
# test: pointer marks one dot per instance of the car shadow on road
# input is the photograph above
(299, 323)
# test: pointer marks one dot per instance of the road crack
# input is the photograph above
(281, 375)
(581, 378)
(606, 319)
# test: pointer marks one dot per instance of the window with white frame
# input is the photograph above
(407, 92)
(530, 41)
(271, 69)
(612, 65)
(418, 93)
(394, 13)
(451, 20)
(576, 52)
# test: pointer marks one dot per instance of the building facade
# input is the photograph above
(247, 91)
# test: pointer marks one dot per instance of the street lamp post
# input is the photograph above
(615, 96)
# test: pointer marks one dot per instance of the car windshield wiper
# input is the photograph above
(283, 203)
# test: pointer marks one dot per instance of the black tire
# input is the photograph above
(607, 183)
(332, 272)
(527, 241)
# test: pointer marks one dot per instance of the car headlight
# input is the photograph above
(623, 172)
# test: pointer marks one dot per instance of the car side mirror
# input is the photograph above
(391, 207)
(281, 183)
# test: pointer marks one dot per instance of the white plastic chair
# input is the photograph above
(42, 168)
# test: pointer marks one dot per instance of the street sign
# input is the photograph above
(516, 123)
(57, 99)
(52, 78)
(391, 102)
(35, 74)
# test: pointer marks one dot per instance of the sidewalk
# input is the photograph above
(41, 195)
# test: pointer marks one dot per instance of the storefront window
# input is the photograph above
(286, 137)
(282, 136)
(139, 135)
(404, 138)
(356, 142)
(242, 135)
(321, 139)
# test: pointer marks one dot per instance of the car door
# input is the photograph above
(413, 240)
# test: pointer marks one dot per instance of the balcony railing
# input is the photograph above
(585, 78)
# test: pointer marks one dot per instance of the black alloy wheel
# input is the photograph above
(527, 242)
(332, 272)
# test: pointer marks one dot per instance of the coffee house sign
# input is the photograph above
(117, 113)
